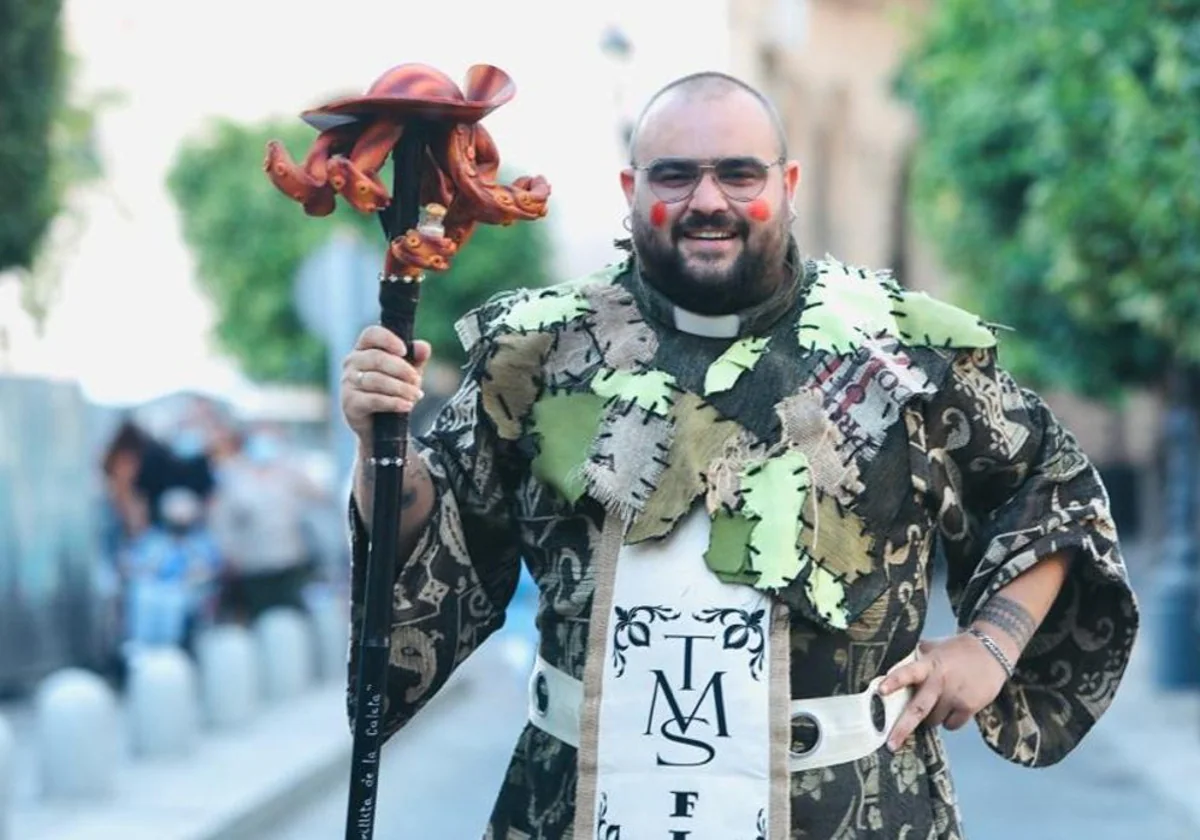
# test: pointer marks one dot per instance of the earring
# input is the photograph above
(627, 223)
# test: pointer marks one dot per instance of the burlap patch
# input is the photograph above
(723, 477)
(627, 340)
(512, 380)
(806, 426)
(627, 458)
(700, 437)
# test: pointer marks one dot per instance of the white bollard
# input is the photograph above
(284, 641)
(163, 709)
(7, 759)
(78, 735)
(228, 675)
(331, 636)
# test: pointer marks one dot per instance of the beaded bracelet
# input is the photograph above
(385, 462)
(993, 648)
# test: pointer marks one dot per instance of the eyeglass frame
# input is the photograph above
(706, 165)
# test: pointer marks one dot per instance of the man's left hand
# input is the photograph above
(954, 679)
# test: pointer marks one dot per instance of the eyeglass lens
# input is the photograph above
(740, 179)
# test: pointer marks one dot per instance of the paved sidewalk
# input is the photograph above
(234, 782)
(440, 773)
(1157, 733)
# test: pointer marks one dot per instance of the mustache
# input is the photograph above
(720, 220)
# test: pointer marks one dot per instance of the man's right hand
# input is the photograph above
(376, 378)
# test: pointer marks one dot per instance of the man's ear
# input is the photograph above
(791, 179)
(628, 180)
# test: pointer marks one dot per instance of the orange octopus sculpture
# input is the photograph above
(356, 135)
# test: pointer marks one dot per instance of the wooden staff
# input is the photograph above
(398, 301)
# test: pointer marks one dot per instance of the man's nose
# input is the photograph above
(708, 197)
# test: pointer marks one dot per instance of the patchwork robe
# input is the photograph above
(582, 403)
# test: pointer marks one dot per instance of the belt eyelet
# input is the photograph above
(806, 734)
(878, 712)
(541, 694)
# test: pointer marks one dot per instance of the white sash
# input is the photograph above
(683, 750)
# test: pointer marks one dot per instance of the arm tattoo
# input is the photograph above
(1010, 617)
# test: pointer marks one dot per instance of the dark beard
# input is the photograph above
(749, 281)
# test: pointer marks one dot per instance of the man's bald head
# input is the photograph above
(708, 86)
(710, 190)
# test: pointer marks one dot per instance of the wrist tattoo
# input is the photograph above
(1010, 617)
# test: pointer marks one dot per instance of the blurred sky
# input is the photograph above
(178, 64)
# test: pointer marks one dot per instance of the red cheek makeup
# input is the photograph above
(759, 210)
(658, 214)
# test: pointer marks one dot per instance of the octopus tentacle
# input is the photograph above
(459, 231)
(416, 252)
(436, 186)
(356, 177)
(471, 158)
(307, 183)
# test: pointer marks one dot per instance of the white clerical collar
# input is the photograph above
(707, 326)
(753, 320)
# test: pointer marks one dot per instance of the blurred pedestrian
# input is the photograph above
(122, 464)
(258, 521)
(172, 571)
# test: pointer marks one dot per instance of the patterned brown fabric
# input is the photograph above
(917, 452)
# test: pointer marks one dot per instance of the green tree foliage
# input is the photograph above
(31, 90)
(75, 165)
(249, 241)
(47, 147)
(1058, 173)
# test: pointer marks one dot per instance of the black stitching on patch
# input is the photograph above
(504, 406)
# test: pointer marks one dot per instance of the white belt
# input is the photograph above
(825, 730)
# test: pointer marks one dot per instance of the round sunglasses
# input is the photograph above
(675, 179)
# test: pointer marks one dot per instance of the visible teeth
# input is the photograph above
(710, 235)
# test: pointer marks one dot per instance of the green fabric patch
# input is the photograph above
(773, 493)
(565, 425)
(700, 437)
(843, 309)
(740, 357)
(922, 319)
(649, 390)
(827, 595)
(602, 276)
(545, 310)
(728, 553)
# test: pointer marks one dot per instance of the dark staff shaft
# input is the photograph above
(389, 449)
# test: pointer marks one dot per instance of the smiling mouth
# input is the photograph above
(710, 235)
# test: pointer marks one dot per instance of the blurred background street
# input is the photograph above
(174, 468)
